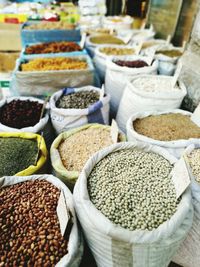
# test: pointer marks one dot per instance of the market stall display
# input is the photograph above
(74, 107)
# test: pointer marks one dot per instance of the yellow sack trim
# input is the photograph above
(70, 177)
(41, 145)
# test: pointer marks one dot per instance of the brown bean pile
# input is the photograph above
(56, 63)
(167, 127)
(53, 47)
(20, 113)
(30, 231)
(131, 64)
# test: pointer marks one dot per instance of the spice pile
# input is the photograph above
(133, 189)
(154, 84)
(58, 25)
(30, 230)
(194, 161)
(53, 47)
(79, 147)
(78, 100)
(131, 64)
(167, 127)
(20, 113)
(116, 51)
(170, 53)
(106, 39)
(17, 154)
(57, 63)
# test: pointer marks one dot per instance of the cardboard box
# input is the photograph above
(10, 37)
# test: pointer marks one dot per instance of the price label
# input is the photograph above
(114, 131)
(63, 213)
(180, 177)
(196, 115)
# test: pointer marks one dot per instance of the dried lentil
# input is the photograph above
(20, 113)
(170, 53)
(78, 100)
(131, 64)
(133, 189)
(56, 63)
(117, 51)
(194, 161)
(57, 25)
(53, 47)
(17, 154)
(106, 39)
(30, 231)
(167, 127)
(79, 147)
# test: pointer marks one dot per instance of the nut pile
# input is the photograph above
(116, 51)
(58, 25)
(131, 64)
(170, 53)
(167, 127)
(79, 147)
(133, 189)
(56, 63)
(30, 230)
(17, 154)
(53, 47)
(78, 100)
(194, 161)
(20, 113)
(106, 39)
(154, 84)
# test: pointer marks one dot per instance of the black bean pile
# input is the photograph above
(131, 64)
(30, 231)
(17, 154)
(20, 113)
(78, 100)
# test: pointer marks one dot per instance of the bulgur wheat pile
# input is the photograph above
(167, 127)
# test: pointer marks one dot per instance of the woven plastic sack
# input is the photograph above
(75, 244)
(70, 177)
(136, 100)
(48, 82)
(100, 58)
(42, 151)
(115, 246)
(32, 129)
(176, 147)
(188, 254)
(65, 119)
(117, 77)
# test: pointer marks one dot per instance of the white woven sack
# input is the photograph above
(176, 147)
(32, 129)
(65, 119)
(75, 243)
(117, 77)
(137, 100)
(124, 24)
(188, 254)
(100, 58)
(48, 82)
(115, 246)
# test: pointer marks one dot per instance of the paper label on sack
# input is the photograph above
(102, 91)
(196, 116)
(63, 214)
(180, 177)
(114, 131)
(83, 39)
